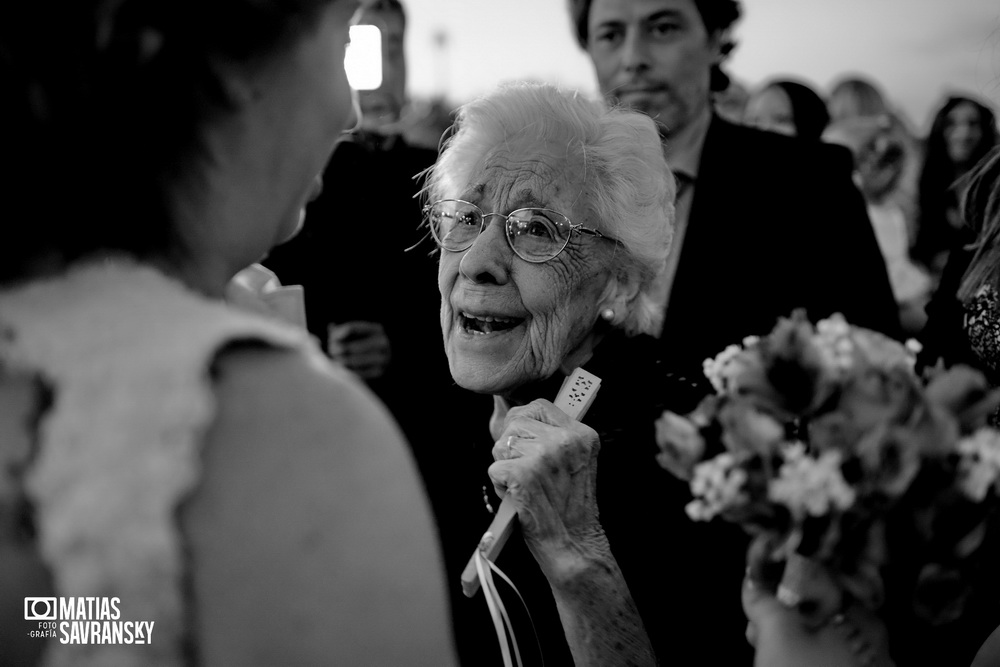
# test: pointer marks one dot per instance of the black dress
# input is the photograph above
(685, 576)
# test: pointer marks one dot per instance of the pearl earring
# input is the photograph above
(608, 314)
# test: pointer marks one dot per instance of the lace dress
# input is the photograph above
(126, 353)
(982, 326)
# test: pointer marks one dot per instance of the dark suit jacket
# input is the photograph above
(776, 224)
(351, 257)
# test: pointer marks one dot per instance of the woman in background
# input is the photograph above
(787, 107)
(962, 133)
(963, 325)
(203, 465)
(885, 160)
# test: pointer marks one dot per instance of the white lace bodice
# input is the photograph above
(126, 353)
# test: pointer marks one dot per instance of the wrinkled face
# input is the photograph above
(507, 322)
(770, 109)
(385, 104)
(962, 132)
(654, 56)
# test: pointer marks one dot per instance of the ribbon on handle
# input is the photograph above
(485, 568)
(575, 397)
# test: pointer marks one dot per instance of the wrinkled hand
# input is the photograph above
(550, 474)
(797, 619)
(363, 347)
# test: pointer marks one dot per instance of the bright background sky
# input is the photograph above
(916, 50)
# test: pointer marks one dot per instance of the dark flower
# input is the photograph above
(794, 365)
(940, 594)
(965, 393)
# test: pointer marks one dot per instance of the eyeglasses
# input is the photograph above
(535, 235)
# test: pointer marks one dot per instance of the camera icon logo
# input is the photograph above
(40, 609)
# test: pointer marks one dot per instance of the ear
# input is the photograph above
(620, 293)
(721, 44)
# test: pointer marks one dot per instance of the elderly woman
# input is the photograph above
(554, 216)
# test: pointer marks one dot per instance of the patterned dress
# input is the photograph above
(982, 326)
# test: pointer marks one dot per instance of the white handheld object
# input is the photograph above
(574, 398)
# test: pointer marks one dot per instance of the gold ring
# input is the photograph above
(510, 439)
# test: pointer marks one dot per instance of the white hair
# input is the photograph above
(628, 188)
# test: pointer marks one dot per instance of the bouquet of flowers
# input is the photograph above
(822, 442)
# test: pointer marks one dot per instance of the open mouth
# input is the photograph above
(487, 324)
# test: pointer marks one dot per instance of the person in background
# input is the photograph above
(376, 321)
(962, 132)
(884, 158)
(204, 467)
(787, 107)
(731, 103)
(962, 325)
(765, 223)
(855, 97)
(858, 107)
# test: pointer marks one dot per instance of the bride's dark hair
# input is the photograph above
(102, 105)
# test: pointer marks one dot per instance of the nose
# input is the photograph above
(635, 52)
(489, 258)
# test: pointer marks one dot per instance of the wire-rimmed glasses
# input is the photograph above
(535, 234)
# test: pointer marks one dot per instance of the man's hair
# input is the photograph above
(627, 186)
(717, 15)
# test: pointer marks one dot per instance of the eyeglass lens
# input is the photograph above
(535, 234)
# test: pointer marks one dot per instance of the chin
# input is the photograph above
(477, 375)
(291, 227)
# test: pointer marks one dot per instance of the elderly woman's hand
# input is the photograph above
(547, 463)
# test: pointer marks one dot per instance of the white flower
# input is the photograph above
(715, 369)
(834, 326)
(717, 485)
(980, 462)
(810, 486)
(835, 344)
(793, 451)
(680, 443)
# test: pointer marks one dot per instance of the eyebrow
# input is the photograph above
(657, 15)
(664, 14)
(525, 198)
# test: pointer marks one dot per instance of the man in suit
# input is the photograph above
(765, 224)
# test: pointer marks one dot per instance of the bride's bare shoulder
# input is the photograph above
(308, 505)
